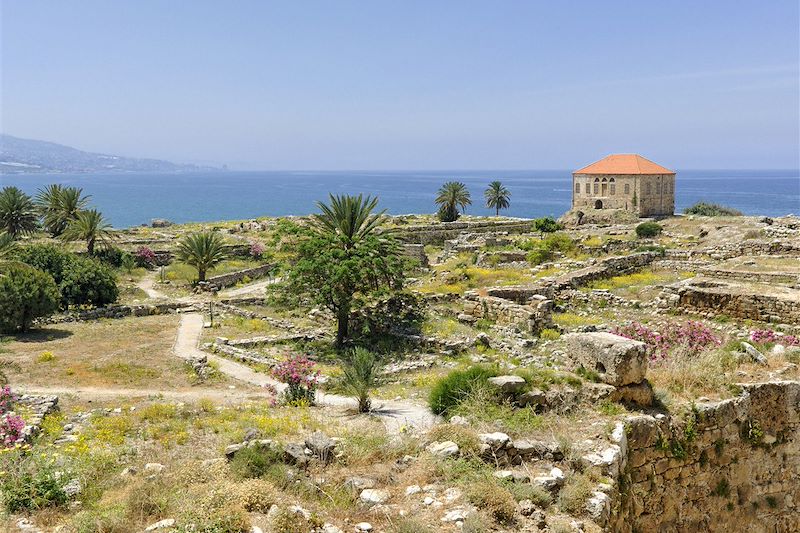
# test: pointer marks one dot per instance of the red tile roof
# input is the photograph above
(624, 164)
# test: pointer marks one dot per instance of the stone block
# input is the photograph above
(617, 360)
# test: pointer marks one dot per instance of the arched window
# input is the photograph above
(604, 180)
(596, 186)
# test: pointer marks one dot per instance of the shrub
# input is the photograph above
(361, 373)
(494, 499)
(256, 250)
(7, 399)
(86, 281)
(45, 257)
(456, 386)
(548, 334)
(254, 461)
(647, 230)
(32, 482)
(547, 225)
(767, 336)
(711, 210)
(576, 491)
(693, 336)
(11, 427)
(544, 250)
(145, 257)
(25, 294)
(299, 374)
(112, 256)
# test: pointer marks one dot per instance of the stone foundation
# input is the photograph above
(764, 303)
(533, 317)
(438, 233)
(216, 283)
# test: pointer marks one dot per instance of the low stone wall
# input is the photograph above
(40, 406)
(607, 268)
(533, 317)
(714, 298)
(438, 233)
(501, 257)
(417, 253)
(730, 466)
(120, 311)
(750, 275)
(216, 283)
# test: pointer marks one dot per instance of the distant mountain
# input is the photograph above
(24, 156)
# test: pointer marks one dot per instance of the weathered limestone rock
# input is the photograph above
(754, 354)
(508, 384)
(321, 445)
(374, 496)
(447, 448)
(639, 393)
(618, 360)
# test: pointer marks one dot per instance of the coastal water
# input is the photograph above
(133, 199)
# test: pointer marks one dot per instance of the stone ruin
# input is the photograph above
(532, 316)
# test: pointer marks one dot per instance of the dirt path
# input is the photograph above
(103, 393)
(249, 288)
(396, 416)
(147, 284)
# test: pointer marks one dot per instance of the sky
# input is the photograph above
(337, 85)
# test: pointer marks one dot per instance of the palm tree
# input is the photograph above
(59, 205)
(7, 245)
(89, 226)
(17, 212)
(452, 195)
(203, 251)
(361, 373)
(497, 197)
(349, 218)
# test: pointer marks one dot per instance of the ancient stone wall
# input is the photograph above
(532, 317)
(232, 278)
(728, 466)
(438, 233)
(120, 311)
(714, 298)
(750, 275)
(612, 266)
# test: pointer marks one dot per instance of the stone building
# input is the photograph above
(625, 181)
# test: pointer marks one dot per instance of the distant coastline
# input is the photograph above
(134, 198)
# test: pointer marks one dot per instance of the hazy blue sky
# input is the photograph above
(408, 85)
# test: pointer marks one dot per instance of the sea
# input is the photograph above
(132, 199)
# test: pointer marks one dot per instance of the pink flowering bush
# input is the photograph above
(765, 336)
(11, 427)
(7, 398)
(256, 250)
(692, 336)
(299, 374)
(145, 257)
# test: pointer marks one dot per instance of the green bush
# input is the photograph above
(360, 374)
(648, 229)
(711, 210)
(543, 250)
(25, 294)
(547, 225)
(80, 280)
(32, 483)
(113, 256)
(450, 390)
(254, 461)
(86, 281)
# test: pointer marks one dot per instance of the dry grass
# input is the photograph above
(129, 352)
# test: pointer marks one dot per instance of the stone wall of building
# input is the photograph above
(646, 195)
(727, 466)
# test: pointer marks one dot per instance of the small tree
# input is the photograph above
(25, 295)
(17, 212)
(203, 251)
(89, 226)
(59, 205)
(497, 197)
(547, 225)
(452, 196)
(361, 374)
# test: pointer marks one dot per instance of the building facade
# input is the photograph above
(625, 181)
